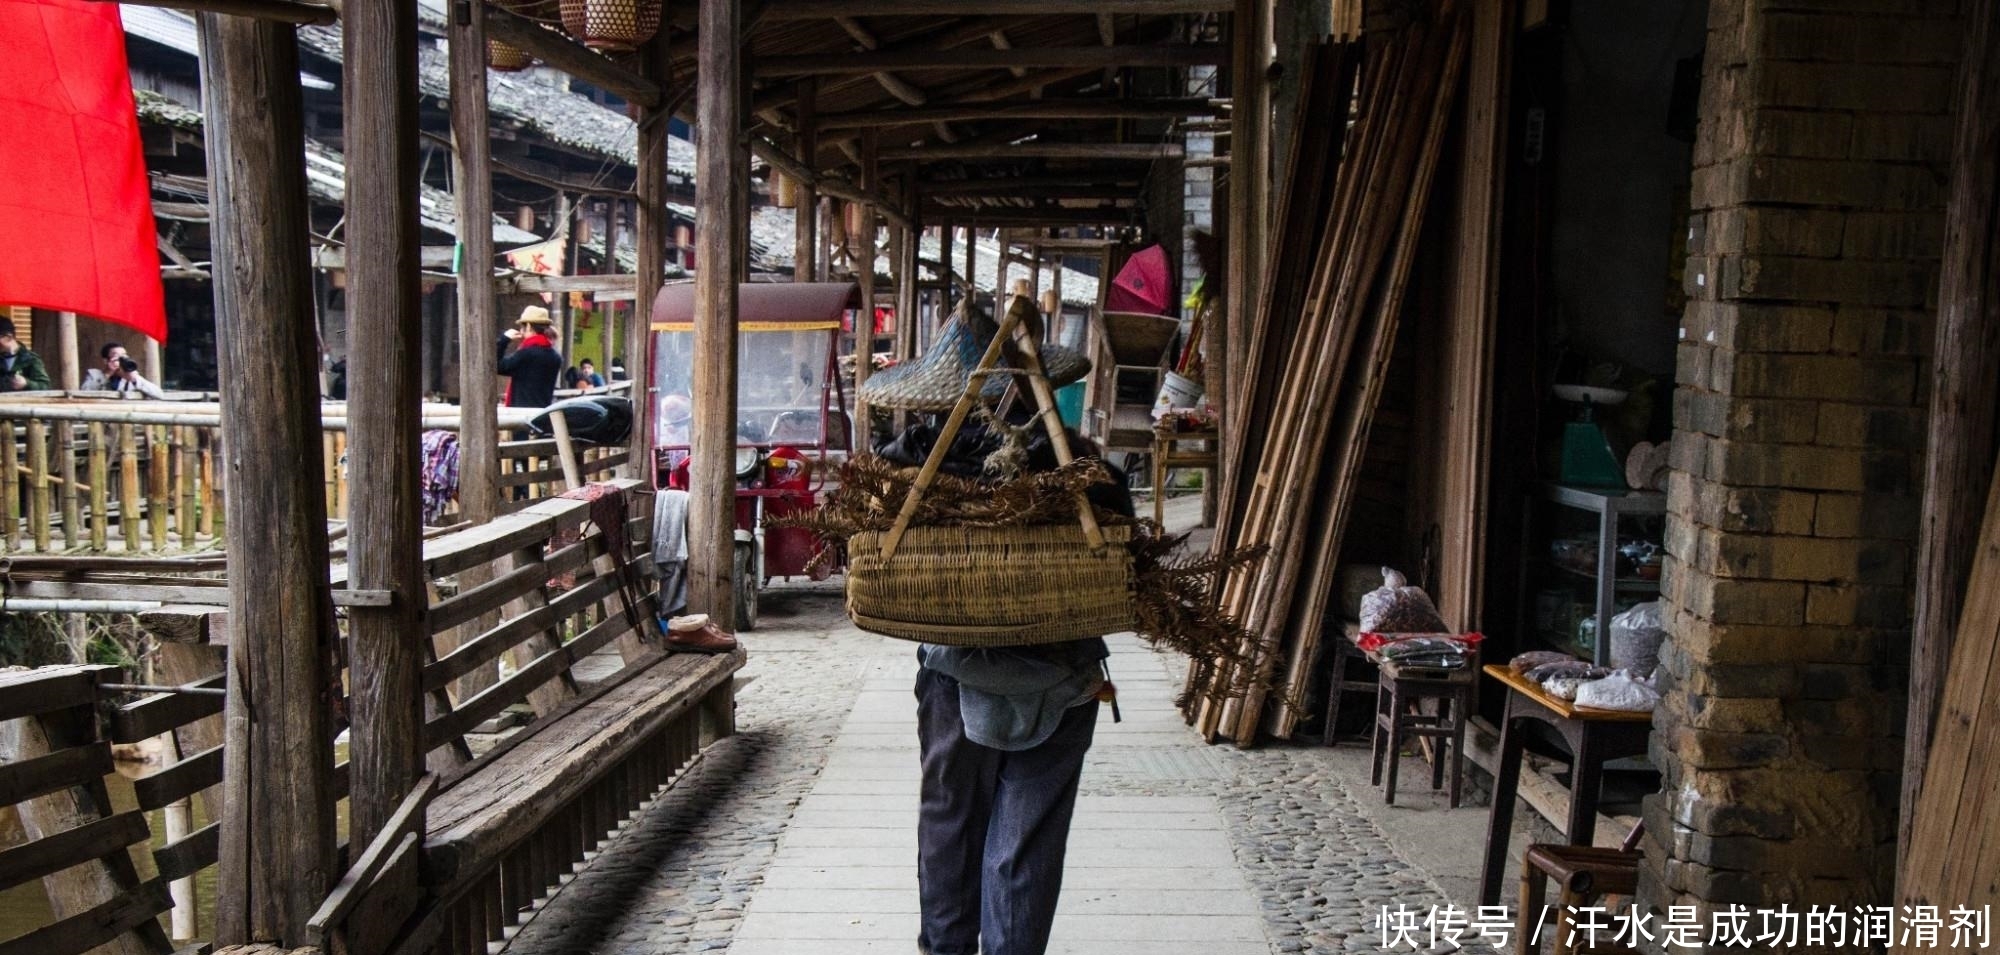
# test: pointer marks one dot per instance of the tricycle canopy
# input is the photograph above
(786, 390)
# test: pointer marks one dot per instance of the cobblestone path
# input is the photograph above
(797, 834)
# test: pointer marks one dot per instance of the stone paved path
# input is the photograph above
(797, 835)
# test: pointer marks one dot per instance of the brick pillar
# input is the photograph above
(1818, 191)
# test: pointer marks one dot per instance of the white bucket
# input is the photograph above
(1178, 391)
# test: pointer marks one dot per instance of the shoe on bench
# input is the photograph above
(695, 633)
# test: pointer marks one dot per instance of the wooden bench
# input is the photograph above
(503, 828)
(483, 838)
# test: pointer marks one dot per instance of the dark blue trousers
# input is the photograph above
(992, 829)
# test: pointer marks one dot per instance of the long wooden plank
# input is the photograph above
(41, 775)
(184, 857)
(94, 926)
(496, 592)
(47, 689)
(154, 715)
(1964, 394)
(157, 790)
(84, 843)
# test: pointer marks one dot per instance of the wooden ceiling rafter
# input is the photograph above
(782, 10)
(1092, 107)
(1094, 57)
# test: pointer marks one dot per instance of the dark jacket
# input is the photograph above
(28, 365)
(533, 370)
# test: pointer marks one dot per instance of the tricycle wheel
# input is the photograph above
(745, 574)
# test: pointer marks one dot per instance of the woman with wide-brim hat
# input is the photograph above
(533, 368)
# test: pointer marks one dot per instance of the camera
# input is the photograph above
(127, 365)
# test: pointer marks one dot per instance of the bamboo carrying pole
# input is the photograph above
(277, 857)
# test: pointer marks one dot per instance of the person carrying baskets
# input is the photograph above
(1003, 719)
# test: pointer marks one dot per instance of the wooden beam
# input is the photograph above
(571, 57)
(1077, 108)
(891, 83)
(1039, 150)
(551, 284)
(781, 10)
(1249, 204)
(1032, 218)
(385, 313)
(1965, 386)
(833, 186)
(276, 11)
(277, 856)
(1045, 57)
(724, 170)
(1007, 185)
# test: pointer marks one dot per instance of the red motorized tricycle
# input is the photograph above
(792, 422)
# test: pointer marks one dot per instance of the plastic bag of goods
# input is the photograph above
(1397, 607)
(1619, 691)
(1636, 636)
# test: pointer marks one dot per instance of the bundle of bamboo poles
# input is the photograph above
(1319, 345)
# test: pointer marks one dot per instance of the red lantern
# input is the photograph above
(615, 25)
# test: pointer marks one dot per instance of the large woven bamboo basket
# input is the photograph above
(991, 586)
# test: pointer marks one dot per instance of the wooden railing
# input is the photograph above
(124, 477)
(101, 485)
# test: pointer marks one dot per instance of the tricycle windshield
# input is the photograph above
(781, 387)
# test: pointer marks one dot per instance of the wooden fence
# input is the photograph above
(106, 477)
(507, 819)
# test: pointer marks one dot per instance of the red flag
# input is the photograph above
(76, 211)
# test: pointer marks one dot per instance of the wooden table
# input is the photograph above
(1595, 737)
(1167, 456)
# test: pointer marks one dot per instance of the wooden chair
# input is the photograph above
(1586, 874)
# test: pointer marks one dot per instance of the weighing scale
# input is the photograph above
(1587, 459)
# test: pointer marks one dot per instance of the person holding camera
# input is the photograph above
(120, 373)
(20, 369)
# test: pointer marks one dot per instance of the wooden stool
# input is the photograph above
(1338, 685)
(1399, 695)
(1167, 456)
(1586, 874)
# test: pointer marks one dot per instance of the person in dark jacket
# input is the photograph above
(20, 369)
(535, 366)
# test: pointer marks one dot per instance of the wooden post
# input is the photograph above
(478, 318)
(472, 179)
(1966, 364)
(805, 215)
(650, 235)
(972, 264)
(723, 171)
(277, 855)
(906, 270)
(607, 326)
(1249, 203)
(864, 274)
(70, 372)
(946, 234)
(385, 402)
